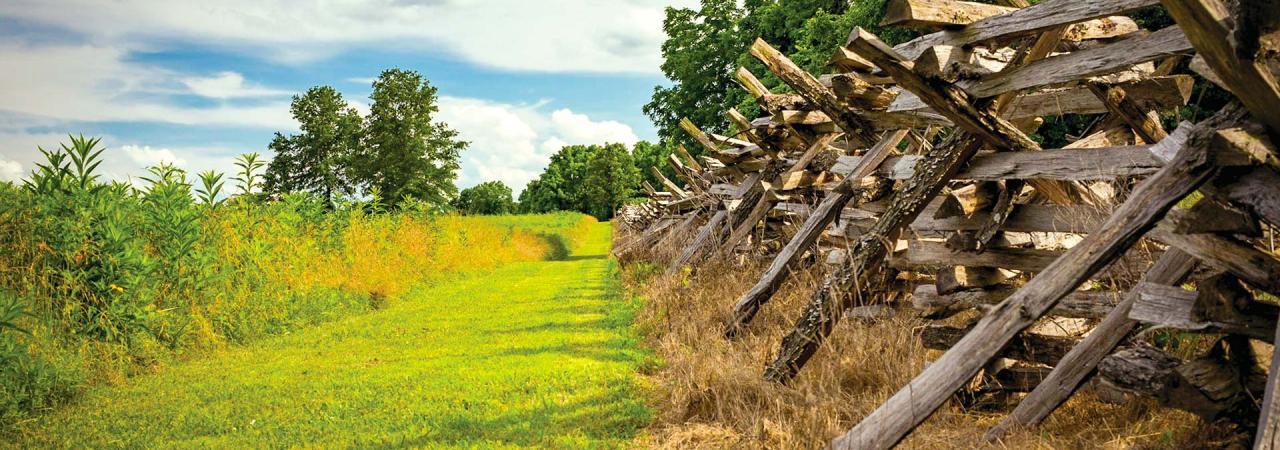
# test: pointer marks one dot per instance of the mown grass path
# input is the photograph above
(528, 355)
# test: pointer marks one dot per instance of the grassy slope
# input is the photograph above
(529, 354)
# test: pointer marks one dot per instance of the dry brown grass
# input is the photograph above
(709, 392)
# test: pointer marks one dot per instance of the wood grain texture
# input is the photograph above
(813, 91)
(1084, 63)
(1174, 307)
(1078, 304)
(1143, 122)
(1025, 218)
(896, 417)
(927, 254)
(1204, 22)
(1072, 370)
(749, 304)
(699, 136)
(1034, 19)
(666, 182)
(943, 97)
(938, 13)
(953, 103)
(1254, 266)
(1059, 164)
(857, 277)
(1149, 93)
(700, 242)
(1033, 348)
(1267, 436)
(1253, 189)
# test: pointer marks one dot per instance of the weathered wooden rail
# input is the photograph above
(917, 159)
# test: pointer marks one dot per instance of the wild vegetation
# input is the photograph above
(528, 354)
(100, 281)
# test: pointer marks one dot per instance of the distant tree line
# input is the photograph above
(593, 179)
(398, 152)
(490, 197)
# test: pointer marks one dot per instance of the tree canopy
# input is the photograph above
(317, 160)
(405, 153)
(593, 179)
(490, 197)
(396, 152)
(612, 178)
(647, 154)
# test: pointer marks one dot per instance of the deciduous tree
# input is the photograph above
(611, 180)
(317, 160)
(404, 153)
(561, 185)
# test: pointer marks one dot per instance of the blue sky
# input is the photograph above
(196, 83)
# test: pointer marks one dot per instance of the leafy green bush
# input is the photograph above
(27, 383)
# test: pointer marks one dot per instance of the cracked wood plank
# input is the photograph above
(896, 417)
(1072, 370)
(749, 304)
(1031, 20)
(1084, 63)
(808, 87)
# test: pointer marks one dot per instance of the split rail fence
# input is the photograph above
(909, 171)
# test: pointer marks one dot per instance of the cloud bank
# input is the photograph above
(523, 35)
(513, 143)
(86, 74)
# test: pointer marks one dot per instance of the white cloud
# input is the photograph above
(547, 36)
(96, 83)
(580, 128)
(145, 156)
(513, 143)
(552, 144)
(226, 85)
(10, 170)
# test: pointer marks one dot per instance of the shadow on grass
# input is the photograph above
(586, 321)
(582, 257)
(614, 414)
(559, 250)
(605, 350)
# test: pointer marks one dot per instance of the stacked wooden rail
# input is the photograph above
(910, 168)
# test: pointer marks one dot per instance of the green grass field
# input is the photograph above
(537, 354)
